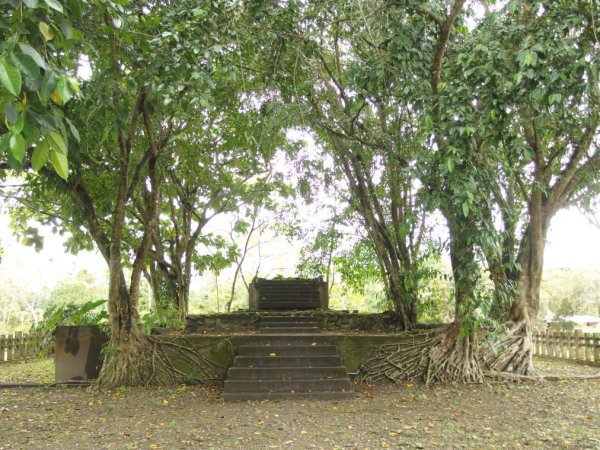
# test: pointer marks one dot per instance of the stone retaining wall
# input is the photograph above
(334, 321)
(354, 349)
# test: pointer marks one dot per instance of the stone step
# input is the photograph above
(281, 318)
(288, 361)
(288, 294)
(287, 339)
(287, 306)
(285, 373)
(289, 324)
(287, 350)
(289, 330)
(261, 396)
(289, 290)
(319, 385)
(289, 301)
(292, 283)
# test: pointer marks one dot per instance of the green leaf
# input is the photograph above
(32, 52)
(74, 85)
(465, 208)
(32, 3)
(46, 31)
(63, 90)
(17, 127)
(5, 142)
(11, 112)
(57, 143)
(48, 84)
(74, 130)
(60, 163)
(117, 21)
(26, 65)
(450, 164)
(54, 5)
(14, 164)
(66, 28)
(46, 121)
(18, 146)
(554, 98)
(404, 230)
(31, 132)
(40, 155)
(10, 77)
(518, 77)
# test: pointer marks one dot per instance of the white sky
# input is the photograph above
(572, 242)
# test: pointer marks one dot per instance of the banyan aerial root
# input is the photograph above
(158, 361)
(439, 355)
(512, 352)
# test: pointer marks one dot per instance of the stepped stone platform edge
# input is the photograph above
(327, 320)
(354, 349)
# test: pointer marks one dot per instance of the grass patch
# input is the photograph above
(36, 370)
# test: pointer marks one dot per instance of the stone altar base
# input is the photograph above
(327, 320)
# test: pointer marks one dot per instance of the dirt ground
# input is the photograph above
(499, 415)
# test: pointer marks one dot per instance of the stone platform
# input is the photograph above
(267, 355)
(327, 320)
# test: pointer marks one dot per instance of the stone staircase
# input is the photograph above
(283, 295)
(288, 359)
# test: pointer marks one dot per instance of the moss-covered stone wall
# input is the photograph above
(355, 349)
(335, 321)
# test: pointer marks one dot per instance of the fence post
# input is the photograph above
(587, 346)
(596, 342)
(19, 344)
(2, 346)
(579, 346)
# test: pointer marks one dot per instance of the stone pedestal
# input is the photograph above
(77, 352)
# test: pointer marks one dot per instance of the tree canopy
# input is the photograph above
(483, 116)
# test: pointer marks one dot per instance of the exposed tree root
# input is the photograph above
(454, 359)
(403, 361)
(158, 361)
(513, 352)
(506, 376)
(439, 355)
(539, 379)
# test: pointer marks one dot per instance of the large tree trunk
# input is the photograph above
(456, 357)
(514, 350)
(129, 359)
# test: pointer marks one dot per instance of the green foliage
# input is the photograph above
(567, 292)
(166, 317)
(437, 294)
(88, 313)
(358, 266)
(39, 55)
(107, 351)
(393, 142)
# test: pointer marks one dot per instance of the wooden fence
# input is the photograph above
(20, 346)
(574, 346)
